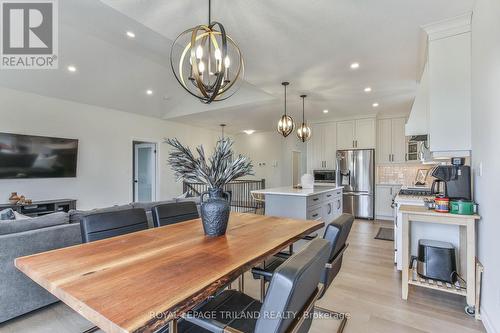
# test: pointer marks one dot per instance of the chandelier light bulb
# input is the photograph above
(199, 52)
(227, 62)
(217, 54)
(201, 67)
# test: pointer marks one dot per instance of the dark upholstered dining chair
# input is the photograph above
(110, 224)
(336, 234)
(174, 212)
(292, 293)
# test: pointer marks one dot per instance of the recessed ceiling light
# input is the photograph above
(249, 131)
(130, 34)
(375, 105)
(325, 111)
(149, 92)
(368, 89)
(355, 65)
(72, 68)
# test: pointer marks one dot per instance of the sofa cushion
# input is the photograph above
(148, 205)
(196, 200)
(7, 214)
(49, 220)
(75, 216)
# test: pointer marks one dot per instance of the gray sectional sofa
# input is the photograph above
(18, 293)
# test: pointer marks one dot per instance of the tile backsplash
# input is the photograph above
(401, 174)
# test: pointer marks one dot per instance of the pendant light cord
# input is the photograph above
(285, 100)
(303, 103)
(209, 11)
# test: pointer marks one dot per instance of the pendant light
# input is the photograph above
(285, 124)
(304, 131)
(202, 68)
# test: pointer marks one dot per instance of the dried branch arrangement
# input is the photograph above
(217, 171)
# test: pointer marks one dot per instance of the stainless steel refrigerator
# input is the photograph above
(356, 172)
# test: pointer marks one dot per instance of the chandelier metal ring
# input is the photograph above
(208, 86)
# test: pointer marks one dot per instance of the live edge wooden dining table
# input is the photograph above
(143, 281)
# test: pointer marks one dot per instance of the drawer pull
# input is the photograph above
(315, 215)
(328, 195)
(315, 199)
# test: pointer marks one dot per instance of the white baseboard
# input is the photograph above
(487, 322)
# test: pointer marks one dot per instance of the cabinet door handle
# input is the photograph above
(329, 208)
(338, 204)
(328, 195)
(391, 190)
(406, 157)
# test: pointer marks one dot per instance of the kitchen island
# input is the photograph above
(320, 203)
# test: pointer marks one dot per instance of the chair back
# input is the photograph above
(110, 224)
(293, 290)
(174, 212)
(336, 234)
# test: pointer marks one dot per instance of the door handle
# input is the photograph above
(136, 181)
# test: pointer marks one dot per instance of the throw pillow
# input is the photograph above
(20, 216)
(7, 214)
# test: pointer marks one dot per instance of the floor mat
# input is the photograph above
(385, 234)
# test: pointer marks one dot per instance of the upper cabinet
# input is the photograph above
(360, 133)
(345, 134)
(442, 108)
(391, 141)
(321, 147)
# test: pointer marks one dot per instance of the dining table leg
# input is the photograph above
(241, 283)
(172, 326)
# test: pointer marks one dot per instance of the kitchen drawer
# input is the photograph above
(314, 200)
(316, 214)
(329, 211)
(329, 196)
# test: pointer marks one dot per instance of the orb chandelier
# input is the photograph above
(203, 66)
(304, 131)
(285, 124)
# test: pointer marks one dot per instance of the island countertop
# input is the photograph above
(304, 192)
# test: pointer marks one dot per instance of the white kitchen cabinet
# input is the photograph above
(391, 140)
(330, 144)
(360, 133)
(345, 134)
(384, 142)
(450, 93)
(321, 147)
(398, 140)
(384, 194)
(442, 108)
(365, 133)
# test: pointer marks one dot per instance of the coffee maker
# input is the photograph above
(452, 181)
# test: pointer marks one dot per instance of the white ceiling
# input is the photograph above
(309, 43)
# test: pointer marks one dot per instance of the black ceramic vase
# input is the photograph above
(215, 211)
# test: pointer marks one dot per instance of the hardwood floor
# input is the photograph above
(368, 287)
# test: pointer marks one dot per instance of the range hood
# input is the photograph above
(418, 122)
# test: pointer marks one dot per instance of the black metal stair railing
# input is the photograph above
(240, 189)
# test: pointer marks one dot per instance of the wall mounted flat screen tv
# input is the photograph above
(28, 156)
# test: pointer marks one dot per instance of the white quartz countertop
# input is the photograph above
(289, 190)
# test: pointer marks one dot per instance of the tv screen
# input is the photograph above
(27, 156)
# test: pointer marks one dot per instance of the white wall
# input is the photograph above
(485, 139)
(271, 155)
(104, 175)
